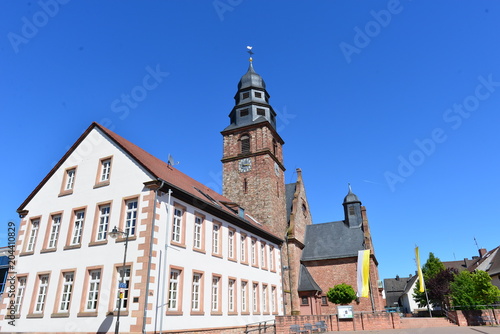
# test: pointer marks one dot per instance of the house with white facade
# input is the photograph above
(195, 261)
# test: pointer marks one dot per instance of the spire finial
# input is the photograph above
(249, 48)
(349, 185)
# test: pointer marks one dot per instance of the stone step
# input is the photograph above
(425, 322)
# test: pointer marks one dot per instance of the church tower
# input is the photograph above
(253, 169)
(352, 210)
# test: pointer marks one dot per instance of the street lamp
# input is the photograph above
(114, 234)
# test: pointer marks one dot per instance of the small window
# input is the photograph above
(351, 211)
(245, 144)
(324, 301)
(245, 95)
(261, 112)
(105, 170)
(244, 112)
(304, 301)
(70, 179)
(258, 94)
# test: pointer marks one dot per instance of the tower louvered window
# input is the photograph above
(245, 144)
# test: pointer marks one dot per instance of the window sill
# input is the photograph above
(65, 193)
(98, 243)
(101, 184)
(217, 255)
(72, 247)
(173, 243)
(34, 315)
(232, 259)
(60, 315)
(26, 253)
(130, 238)
(216, 313)
(197, 313)
(86, 314)
(174, 313)
(232, 313)
(199, 250)
(122, 313)
(48, 250)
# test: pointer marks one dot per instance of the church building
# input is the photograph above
(194, 260)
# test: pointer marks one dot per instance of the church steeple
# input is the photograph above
(251, 102)
(253, 168)
(352, 209)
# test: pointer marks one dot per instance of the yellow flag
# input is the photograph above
(420, 276)
(363, 272)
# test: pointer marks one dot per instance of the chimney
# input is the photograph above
(482, 252)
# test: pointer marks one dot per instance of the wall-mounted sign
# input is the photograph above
(345, 312)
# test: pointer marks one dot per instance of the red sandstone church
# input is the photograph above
(316, 257)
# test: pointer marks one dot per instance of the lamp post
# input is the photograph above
(114, 234)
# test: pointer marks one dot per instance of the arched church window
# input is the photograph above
(245, 144)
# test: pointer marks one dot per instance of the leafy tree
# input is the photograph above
(438, 287)
(430, 269)
(471, 290)
(341, 294)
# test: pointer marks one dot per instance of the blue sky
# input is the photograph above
(399, 98)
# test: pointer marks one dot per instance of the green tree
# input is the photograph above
(470, 290)
(341, 294)
(432, 267)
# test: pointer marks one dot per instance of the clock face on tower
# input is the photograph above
(245, 165)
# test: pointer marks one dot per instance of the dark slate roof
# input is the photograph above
(289, 193)
(460, 265)
(396, 287)
(490, 262)
(331, 241)
(306, 282)
(351, 197)
(246, 122)
(251, 79)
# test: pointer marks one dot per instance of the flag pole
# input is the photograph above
(422, 281)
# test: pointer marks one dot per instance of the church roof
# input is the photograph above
(331, 241)
(251, 79)
(306, 282)
(161, 170)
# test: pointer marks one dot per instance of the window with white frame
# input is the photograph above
(173, 290)
(105, 170)
(274, 299)
(67, 290)
(123, 300)
(33, 234)
(243, 248)
(103, 222)
(196, 292)
(93, 290)
(215, 238)
(21, 287)
(177, 225)
(264, 298)
(271, 258)
(43, 283)
(54, 231)
(130, 216)
(198, 232)
(70, 179)
(254, 252)
(244, 295)
(215, 293)
(230, 244)
(78, 227)
(255, 297)
(263, 254)
(231, 294)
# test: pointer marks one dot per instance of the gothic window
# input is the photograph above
(275, 147)
(245, 144)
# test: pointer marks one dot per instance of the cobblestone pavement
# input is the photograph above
(434, 330)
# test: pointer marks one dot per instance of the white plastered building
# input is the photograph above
(198, 261)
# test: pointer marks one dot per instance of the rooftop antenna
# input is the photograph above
(476, 244)
(250, 52)
(171, 161)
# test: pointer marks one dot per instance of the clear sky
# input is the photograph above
(399, 98)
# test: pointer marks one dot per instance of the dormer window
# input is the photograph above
(244, 112)
(258, 94)
(245, 144)
(261, 112)
(245, 95)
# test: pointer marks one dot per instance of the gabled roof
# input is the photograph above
(162, 171)
(306, 282)
(490, 262)
(331, 241)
